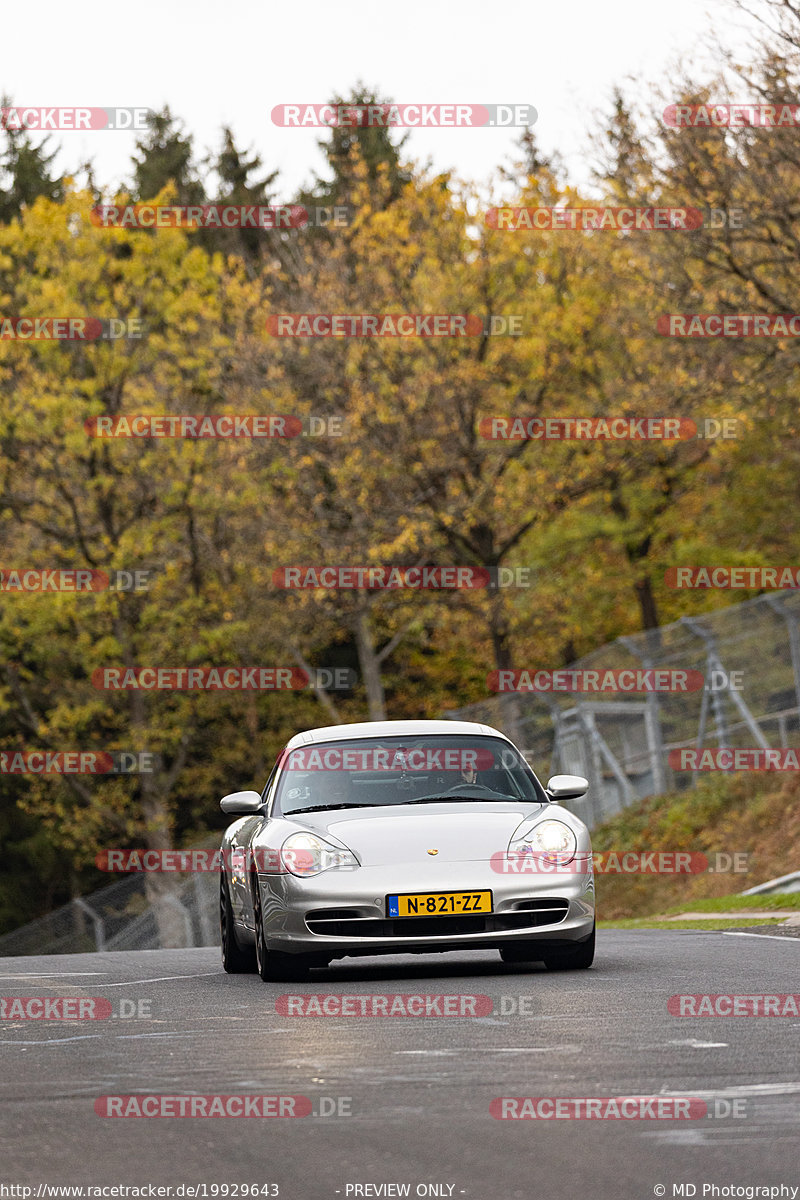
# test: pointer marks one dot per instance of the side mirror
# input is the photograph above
(241, 804)
(567, 787)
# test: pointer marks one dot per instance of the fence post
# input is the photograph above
(779, 606)
(723, 736)
(714, 663)
(97, 923)
(652, 723)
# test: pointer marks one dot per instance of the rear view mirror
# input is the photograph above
(241, 804)
(567, 787)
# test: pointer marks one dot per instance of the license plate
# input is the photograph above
(438, 904)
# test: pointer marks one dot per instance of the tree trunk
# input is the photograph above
(370, 667)
(159, 888)
(511, 704)
(647, 602)
(499, 632)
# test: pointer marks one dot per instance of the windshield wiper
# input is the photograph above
(293, 812)
(447, 797)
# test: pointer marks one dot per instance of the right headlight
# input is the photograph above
(550, 840)
(305, 854)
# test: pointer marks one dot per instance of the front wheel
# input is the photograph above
(521, 952)
(572, 960)
(236, 960)
(272, 966)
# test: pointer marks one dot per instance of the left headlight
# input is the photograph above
(552, 840)
(305, 854)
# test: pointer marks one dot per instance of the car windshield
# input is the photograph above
(365, 772)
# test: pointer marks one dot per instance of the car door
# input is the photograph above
(242, 858)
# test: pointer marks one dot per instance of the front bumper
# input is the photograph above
(343, 912)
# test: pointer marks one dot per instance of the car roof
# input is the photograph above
(367, 729)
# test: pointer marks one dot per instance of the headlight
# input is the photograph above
(305, 854)
(551, 840)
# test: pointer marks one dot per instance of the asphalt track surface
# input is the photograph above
(418, 1088)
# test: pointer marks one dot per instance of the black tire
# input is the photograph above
(578, 959)
(236, 960)
(272, 966)
(521, 952)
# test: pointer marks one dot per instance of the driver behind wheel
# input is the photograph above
(467, 778)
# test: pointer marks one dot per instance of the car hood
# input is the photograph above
(460, 832)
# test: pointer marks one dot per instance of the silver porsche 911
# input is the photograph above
(394, 837)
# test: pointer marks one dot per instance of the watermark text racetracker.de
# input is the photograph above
(610, 428)
(221, 216)
(625, 219)
(620, 862)
(223, 426)
(618, 679)
(410, 116)
(729, 325)
(405, 1005)
(735, 578)
(392, 325)
(747, 115)
(152, 1105)
(265, 861)
(78, 762)
(717, 1004)
(74, 1008)
(734, 758)
(20, 580)
(391, 577)
(222, 679)
(46, 117)
(70, 329)
(615, 1108)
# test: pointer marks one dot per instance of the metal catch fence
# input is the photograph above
(749, 655)
(120, 917)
